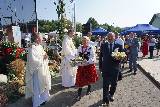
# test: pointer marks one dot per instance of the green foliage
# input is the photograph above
(48, 26)
(61, 19)
(79, 27)
(93, 38)
(93, 22)
(49, 53)
(110, 28)
(105, 26)
(77, 41)
(117, 29)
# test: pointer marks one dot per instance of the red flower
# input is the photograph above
(8, 50)
(19, 51)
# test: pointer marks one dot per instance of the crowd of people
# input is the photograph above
(84, 73)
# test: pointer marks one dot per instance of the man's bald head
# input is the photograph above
(111, 37)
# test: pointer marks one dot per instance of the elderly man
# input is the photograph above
(133, 44)
(109, 67)
(68, 53)
(38, 78)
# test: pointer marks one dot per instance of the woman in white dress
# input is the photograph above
(38, 78)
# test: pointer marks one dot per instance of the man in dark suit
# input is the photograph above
(109, 68)
(133, 44)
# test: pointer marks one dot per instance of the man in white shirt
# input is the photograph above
(91, 43)
(118, 40)
(152, 43)
(68, 53)
(37, 77)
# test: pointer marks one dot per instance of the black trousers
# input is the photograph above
(112, 82)
(80, 90)
(151, 49)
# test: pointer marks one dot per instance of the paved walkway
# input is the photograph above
(132, 91)
(151, 66)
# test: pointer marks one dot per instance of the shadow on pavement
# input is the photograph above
(63, 99)
(98, 104)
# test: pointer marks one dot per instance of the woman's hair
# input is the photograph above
(85, 37)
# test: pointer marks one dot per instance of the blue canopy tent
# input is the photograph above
(141, 29)
(99, 31)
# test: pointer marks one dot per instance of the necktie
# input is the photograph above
(110, 48)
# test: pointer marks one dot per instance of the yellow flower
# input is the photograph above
(126, 46)
(118, 55)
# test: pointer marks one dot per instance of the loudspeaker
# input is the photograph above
(86, 28)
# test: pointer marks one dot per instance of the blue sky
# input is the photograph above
(122, 13)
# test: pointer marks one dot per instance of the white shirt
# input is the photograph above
(120, 42)
(152, 42)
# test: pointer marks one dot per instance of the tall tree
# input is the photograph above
(78, 27)
(93, 22)
(105, 26)
(61, 18)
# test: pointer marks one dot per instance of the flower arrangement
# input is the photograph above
(13, 58)
(10, 92)
(54, 68)
(75, 61)
(11, 51)
(118, 55)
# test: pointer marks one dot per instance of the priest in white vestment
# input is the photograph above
(38, 78)
(68, 53)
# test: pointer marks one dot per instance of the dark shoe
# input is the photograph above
(111, 98)
(134, 73)
(130, 70)
(105, 104)
(119, 78)
(88, 92)
(78, 98)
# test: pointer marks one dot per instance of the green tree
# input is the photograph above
(61, 19)
(78, 27)
(46, 26)
(105, 26)
(110, 28)
(118, 29)
(68, 24)
(93, 22)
